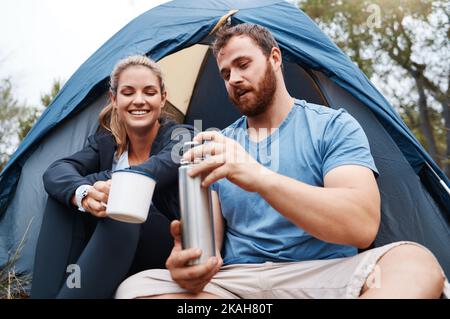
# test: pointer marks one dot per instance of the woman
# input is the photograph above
(80, 253)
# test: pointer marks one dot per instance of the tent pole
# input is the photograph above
(222, 20)
(439, 179)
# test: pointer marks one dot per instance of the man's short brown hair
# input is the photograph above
(259, 34)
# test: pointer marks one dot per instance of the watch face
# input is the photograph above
(85, 192)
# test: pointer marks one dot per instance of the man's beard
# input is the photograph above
(261, 97)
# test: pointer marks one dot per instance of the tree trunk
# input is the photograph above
(425, 119)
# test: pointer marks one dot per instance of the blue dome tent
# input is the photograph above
(414, 191)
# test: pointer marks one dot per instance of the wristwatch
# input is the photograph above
(81, 192)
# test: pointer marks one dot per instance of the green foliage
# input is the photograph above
(16, 120)
(31, 114)
(9, 113)
(47, 98)
(352, 24)
(27, 120)
(402, 43)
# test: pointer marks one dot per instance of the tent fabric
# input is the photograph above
(315, 69)
(190, 61)
(304, 43)
(27, 205)
(401, 190)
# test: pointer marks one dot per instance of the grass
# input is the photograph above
(15, 285)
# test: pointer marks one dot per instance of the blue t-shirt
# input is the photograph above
(312, 140)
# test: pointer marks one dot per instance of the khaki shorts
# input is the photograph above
(332, 278)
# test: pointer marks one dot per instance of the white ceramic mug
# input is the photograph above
(130, 196)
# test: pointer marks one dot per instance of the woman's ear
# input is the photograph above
(163, 98)
(112, 97)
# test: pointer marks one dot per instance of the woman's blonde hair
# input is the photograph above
(108, 117)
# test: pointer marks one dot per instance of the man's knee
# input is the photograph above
(418, 264)
(200, 295)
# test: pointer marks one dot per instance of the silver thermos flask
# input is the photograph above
(197, 224)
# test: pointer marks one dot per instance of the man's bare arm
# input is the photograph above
(345, 211)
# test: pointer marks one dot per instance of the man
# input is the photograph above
(289, 228)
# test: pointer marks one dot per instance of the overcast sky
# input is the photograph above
(43, 40)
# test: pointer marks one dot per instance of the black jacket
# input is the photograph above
(94, 162)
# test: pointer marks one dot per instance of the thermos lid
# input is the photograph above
(186, 147)
(189, 145)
